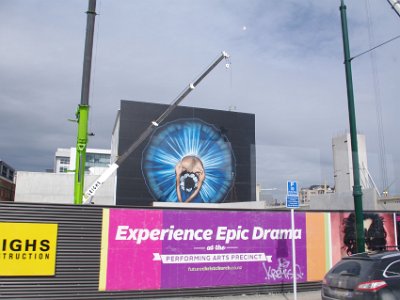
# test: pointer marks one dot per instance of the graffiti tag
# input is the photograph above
(283, 271)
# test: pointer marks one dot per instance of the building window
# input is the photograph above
(63, 169)
(64, 160)
(4, 171)
(97, 160)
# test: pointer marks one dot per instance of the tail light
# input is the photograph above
(371, 286)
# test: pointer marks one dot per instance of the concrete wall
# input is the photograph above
(343, 166)
(389, 203)
(344, 201)
(58, 188)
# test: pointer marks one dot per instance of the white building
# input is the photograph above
(96, 160)
(343, 163)
(58, 187)
(307, 193)
(42, 187)
(342, 198)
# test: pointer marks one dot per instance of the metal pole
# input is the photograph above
(82, 114)
(293, 256)
(357, 192)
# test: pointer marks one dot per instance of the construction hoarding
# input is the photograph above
(175, 249)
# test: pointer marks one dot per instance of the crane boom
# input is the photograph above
(88, 195)
(395, 5)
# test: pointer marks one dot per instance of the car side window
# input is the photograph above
(393, 269)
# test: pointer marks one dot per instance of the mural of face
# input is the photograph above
(188, 160)
(190, 175)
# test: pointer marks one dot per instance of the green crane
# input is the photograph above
(82, 113)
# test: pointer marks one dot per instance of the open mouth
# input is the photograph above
(188, 182)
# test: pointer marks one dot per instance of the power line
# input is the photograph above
(384, 43)
(378, 102)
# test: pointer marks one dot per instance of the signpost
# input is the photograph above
(292, 202)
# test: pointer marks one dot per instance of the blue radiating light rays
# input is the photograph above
(172, 142)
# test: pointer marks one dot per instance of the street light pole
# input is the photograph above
(357, 192)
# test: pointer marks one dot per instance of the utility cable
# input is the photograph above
(378, 102)
(384, 43)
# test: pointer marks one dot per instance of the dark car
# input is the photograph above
(364, 276)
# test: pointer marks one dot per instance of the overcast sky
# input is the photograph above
(287, 68)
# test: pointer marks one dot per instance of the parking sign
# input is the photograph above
(292, 197)
(292, 188)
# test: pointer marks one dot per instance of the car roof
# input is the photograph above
(376, 255)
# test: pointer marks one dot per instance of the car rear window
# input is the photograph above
(350, 267)
(354, 267)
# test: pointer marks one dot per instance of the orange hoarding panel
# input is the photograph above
(316, 246)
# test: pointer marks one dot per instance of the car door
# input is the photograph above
(392, 277)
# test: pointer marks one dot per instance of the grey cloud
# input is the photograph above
(287, 68)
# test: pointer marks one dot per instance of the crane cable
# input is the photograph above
(378, 103)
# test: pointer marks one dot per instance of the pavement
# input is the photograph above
(314, 295)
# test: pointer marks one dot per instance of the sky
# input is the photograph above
(286, 68)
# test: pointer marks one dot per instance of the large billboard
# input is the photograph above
(177, 249)
(156, 249)
(196, 155)
(171, 249)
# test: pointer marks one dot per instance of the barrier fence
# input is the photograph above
(53, 251)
